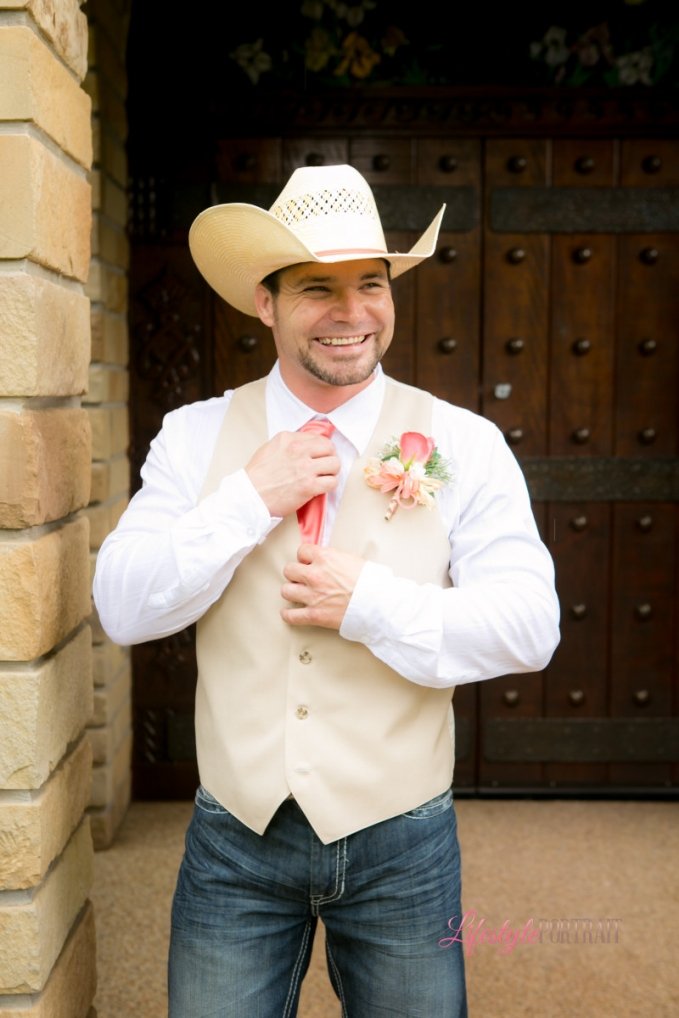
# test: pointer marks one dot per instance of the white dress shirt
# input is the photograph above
(172, 554)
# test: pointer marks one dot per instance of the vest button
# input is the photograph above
(302, 712)
(305, 657)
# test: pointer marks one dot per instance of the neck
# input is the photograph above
(321, 396)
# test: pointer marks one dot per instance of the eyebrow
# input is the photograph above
(303, 280)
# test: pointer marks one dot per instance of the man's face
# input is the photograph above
(331, 325)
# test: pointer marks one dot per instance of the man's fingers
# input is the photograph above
(297, 593)
(291, 468)
(306, 553)
(319, 586)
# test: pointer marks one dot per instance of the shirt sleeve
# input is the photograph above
(500, 616)
(172, 553)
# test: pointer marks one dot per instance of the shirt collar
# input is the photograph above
(356, 419)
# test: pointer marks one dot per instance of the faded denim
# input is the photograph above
(246, 908)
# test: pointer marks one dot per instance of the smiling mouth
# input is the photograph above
(340, 340)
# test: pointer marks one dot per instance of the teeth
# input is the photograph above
(340, 340)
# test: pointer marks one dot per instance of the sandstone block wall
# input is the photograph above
(47, 943)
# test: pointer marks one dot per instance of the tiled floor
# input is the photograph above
(559, 864)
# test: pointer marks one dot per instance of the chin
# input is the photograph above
(343, 374)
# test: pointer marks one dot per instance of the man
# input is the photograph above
(326, 663)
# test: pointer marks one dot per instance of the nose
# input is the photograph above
(347, 306)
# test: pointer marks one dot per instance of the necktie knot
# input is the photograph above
(319, 424)
(311, 515)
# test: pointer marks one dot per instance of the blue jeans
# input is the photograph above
(246, 906)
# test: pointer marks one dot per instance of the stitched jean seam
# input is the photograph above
(339, 988)
(316, 900)
(296, 973)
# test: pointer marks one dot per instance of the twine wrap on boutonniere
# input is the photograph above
(412, 469)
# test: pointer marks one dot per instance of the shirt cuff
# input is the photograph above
(237, 502)
(364, 616)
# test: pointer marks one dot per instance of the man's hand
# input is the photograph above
(319, 585)
(291, 468)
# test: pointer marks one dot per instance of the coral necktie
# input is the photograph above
(310, 516)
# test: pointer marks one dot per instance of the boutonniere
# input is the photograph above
(412, 468)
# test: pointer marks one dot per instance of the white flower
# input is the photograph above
(556, 50)
(417, 471)
(634, 68)
(555, 36)
(251, 58)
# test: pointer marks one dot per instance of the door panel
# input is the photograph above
(648, 346)
(582, 346)
(504, 702)
(515, 302)
(311, 152)
(649, 162)
(249, 160)
(245, 349)
(643, 625)
(588, 163)
(576, 686)
(384, 160)
(447, 323)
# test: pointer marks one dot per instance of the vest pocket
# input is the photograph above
(433, 807)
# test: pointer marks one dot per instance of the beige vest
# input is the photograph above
(283, 709)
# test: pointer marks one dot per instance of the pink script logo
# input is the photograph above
(472, 931)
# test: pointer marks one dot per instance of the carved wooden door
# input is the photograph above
(550, 307)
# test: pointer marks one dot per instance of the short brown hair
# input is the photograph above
(273, 282)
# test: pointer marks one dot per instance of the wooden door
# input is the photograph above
(550, 306)
(581, 373)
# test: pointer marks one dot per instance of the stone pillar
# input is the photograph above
(47, 958)
(106, 399)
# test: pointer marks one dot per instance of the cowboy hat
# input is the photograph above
(323, 214)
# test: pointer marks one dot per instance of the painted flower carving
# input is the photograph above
(359, 57)
(411, 470)
(251, 57)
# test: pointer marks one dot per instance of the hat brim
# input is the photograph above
(235, 246)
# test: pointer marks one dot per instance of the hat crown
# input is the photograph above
(330, 207)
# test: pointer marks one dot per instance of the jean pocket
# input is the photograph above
(207, 802)
(437, 805)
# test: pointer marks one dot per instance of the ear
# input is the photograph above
(264, 303)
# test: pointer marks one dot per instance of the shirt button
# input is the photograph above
(302, 712)
(305, 657)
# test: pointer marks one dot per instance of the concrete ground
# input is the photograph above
(600, 880)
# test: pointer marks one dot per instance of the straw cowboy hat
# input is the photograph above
(323, 214)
